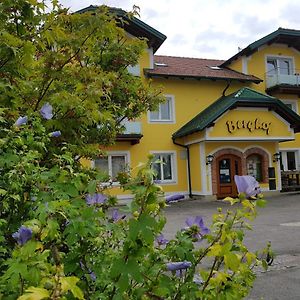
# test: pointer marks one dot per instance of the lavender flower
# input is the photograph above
(46, 111)
(55, 134)
(116, 216)
(161, 240)
(197, 224)
(248, 185)
(23, 235)
(181, 265)
(198, 280)
(95, 199)
(21, 121)
(90, 272)
(93, 276)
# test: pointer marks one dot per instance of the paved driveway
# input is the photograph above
(278, 222)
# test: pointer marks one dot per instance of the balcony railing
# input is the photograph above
(132, 127)
(132, 132)
(281, 76)
(290, 181)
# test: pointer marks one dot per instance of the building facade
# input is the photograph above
(220, 118)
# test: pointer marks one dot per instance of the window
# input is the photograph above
(291, 104)
(279, 65)
(134, 70)
(165, 112)
(112, 164)
(288, 160)
(165, 167)
(254, 166)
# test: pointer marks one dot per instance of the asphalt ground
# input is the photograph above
(278, 222)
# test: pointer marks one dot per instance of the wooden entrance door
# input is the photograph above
(227, 166)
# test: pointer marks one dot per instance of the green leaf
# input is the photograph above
(261, 203)
(231, 261)
(35, 293)
(69, 284)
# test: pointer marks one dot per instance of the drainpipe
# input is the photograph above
(188, 165)
(227, 86)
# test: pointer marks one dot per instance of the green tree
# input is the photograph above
(64, 90)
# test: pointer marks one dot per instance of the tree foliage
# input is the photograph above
(65, 87)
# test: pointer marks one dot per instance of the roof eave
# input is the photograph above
(161, 75)
(155, 38)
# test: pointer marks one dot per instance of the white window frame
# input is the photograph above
(173, 160)
(110, 154)
(134, 70)
(277, 58)
(284, 158)
(293, 103)
(171, 99)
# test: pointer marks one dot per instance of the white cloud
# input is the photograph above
(209, 29)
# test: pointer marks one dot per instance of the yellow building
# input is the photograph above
(220, 118)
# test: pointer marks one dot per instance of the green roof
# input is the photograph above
(134, 26)
(290, 37)
(244, 97)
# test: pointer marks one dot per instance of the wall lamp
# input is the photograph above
(276, 157)
(209, 159)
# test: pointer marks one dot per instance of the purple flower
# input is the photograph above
(174, 198)
(181, 265)
(198, 280)
(248, 185)
(161, 240)
(21, 121)
(95, 199)
(116, 216)
(198, 224)
(55, 134)
(23, 235)
(90, 272)
(93, 276)
(46, 111)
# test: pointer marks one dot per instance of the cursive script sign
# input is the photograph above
(232, 126)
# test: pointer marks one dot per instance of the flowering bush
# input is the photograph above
(62, 238)
(60, 235)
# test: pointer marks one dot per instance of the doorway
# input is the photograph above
(228, 165)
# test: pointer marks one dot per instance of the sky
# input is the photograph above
(207, 28)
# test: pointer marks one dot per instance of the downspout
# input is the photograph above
(188, 165)
(227, 86)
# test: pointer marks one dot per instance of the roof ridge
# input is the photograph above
(187, 57)
(257, 92)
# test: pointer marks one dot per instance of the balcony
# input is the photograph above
(132, 132)
(290, 181)
(277, 81)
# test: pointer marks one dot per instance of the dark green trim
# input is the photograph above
(134, 26)
(159, 75)
(244, 97)
(290, 37)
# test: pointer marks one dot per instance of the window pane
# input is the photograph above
(118, 165)
(291, 161)
(154, 115)
(165, 110)
(157, 170)
(167, 167)
(271, 63)
(284, 67)
(289, 105)
(254, 166)
(102, 164)
(224, 171)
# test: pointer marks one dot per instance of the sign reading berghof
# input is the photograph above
(232, 126)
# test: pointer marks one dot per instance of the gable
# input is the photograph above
(250, 124)
(244, 97)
